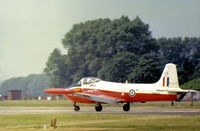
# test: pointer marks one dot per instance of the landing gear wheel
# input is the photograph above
(126, 107)
(76, 108)
(98, 108)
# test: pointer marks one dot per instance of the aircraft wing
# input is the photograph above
(99, 98)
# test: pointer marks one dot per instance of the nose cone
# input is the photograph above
(58, 91)
(55, 91)
(48, 91)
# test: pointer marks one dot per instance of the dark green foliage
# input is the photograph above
(197, 71)
(57, 68)
(34, 84)
(118, 68)
(193, 84)
(184, 53)
(120, 50)
(147, 70)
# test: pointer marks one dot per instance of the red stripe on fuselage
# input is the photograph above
(139, 97)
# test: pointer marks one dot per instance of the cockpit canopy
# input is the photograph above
(88, 80)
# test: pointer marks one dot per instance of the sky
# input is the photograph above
(31, 29)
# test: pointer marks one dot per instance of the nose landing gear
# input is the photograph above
(76, 108)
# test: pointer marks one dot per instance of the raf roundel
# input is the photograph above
(132, 93)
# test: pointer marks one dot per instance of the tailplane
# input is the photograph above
(169, 77)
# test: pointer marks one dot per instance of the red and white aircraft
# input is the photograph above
(97, 91)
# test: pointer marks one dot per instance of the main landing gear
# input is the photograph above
(126, 107)
(76, 108)
(98, 107)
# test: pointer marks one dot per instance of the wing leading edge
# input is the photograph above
(99, 98)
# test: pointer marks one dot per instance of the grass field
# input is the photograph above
(100, 121)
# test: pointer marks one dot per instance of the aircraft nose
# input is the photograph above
(55, 91)
(58, 91)
(49, 91)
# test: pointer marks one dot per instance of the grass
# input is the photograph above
(100, 121)
(68, 103)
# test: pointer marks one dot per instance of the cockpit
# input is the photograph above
(88, 80)
(85, 80)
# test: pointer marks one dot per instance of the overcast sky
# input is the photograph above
(31, 29)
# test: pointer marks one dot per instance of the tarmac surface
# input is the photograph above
(106, 110)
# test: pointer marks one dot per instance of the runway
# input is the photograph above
(106, 110)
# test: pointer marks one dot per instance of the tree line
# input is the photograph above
(32, 85)
(119, 50)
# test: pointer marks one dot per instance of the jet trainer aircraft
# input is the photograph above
(97, 91)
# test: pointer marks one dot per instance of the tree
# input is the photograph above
(182, 52)
(119, 50)
(56, 68)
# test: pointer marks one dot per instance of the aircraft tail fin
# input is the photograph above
(169, 77)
